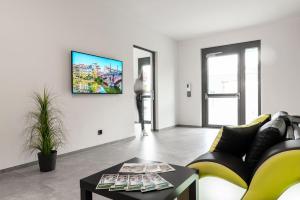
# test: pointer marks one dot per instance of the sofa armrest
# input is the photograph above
(278, 148)
(222, 165)
(277, 170)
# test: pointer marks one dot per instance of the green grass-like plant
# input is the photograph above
(45, 132)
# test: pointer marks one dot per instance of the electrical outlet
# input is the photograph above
(99, 132)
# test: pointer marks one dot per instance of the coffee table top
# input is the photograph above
(181, 178)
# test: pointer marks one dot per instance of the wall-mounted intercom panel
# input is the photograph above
(188, 90)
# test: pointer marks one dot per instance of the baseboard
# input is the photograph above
(179, 125)
(64, 155)
(188, 126)
(166, 128)
(2, 171)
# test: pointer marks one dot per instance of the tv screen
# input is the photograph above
(95, 75)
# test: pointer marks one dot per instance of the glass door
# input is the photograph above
(144, 66)
(230, 84)
(222, 95)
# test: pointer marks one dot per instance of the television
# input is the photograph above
(95, 74)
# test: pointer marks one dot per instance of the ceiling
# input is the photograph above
(183, 19)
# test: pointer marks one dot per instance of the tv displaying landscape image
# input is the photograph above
(96, 75)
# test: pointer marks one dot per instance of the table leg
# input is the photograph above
(194, 190)
(85, 194)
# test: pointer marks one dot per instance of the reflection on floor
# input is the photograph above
(138, 129)
(178, 146)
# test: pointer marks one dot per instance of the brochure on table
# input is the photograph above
(143, 177)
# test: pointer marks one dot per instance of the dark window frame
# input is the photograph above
(229, 49)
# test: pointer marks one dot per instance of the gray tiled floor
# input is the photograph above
(177, 146)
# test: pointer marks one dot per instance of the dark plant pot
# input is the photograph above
(47, 162)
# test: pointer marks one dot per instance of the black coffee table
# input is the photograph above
(182, 179)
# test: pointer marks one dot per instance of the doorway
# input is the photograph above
(231, 84)
(144, 62)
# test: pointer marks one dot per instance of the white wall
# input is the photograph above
(280, 67)
(36, 38)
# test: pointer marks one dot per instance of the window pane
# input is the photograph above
(222, 74)
(223, 111)
(251, 83)
(147, 109)
(147, 78)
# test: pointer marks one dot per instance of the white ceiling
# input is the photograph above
(182, 19)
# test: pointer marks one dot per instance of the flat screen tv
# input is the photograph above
(95, 75)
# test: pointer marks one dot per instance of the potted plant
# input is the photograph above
(45, 133)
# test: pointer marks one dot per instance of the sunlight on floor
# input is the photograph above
(148, 147)
(138, 130)
(293, 193)
(212, 188)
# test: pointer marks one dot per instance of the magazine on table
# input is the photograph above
(160, 182)
(106, 181)
(152, 168)
(165, 167)
(132, 168)
(148, 184)
(133, 182)
(120, 184)
(146, 168)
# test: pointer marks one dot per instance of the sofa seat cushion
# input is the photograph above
(222, 165)
(268, 135)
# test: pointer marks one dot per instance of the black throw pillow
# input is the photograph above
(235, 140)
(268, 135)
